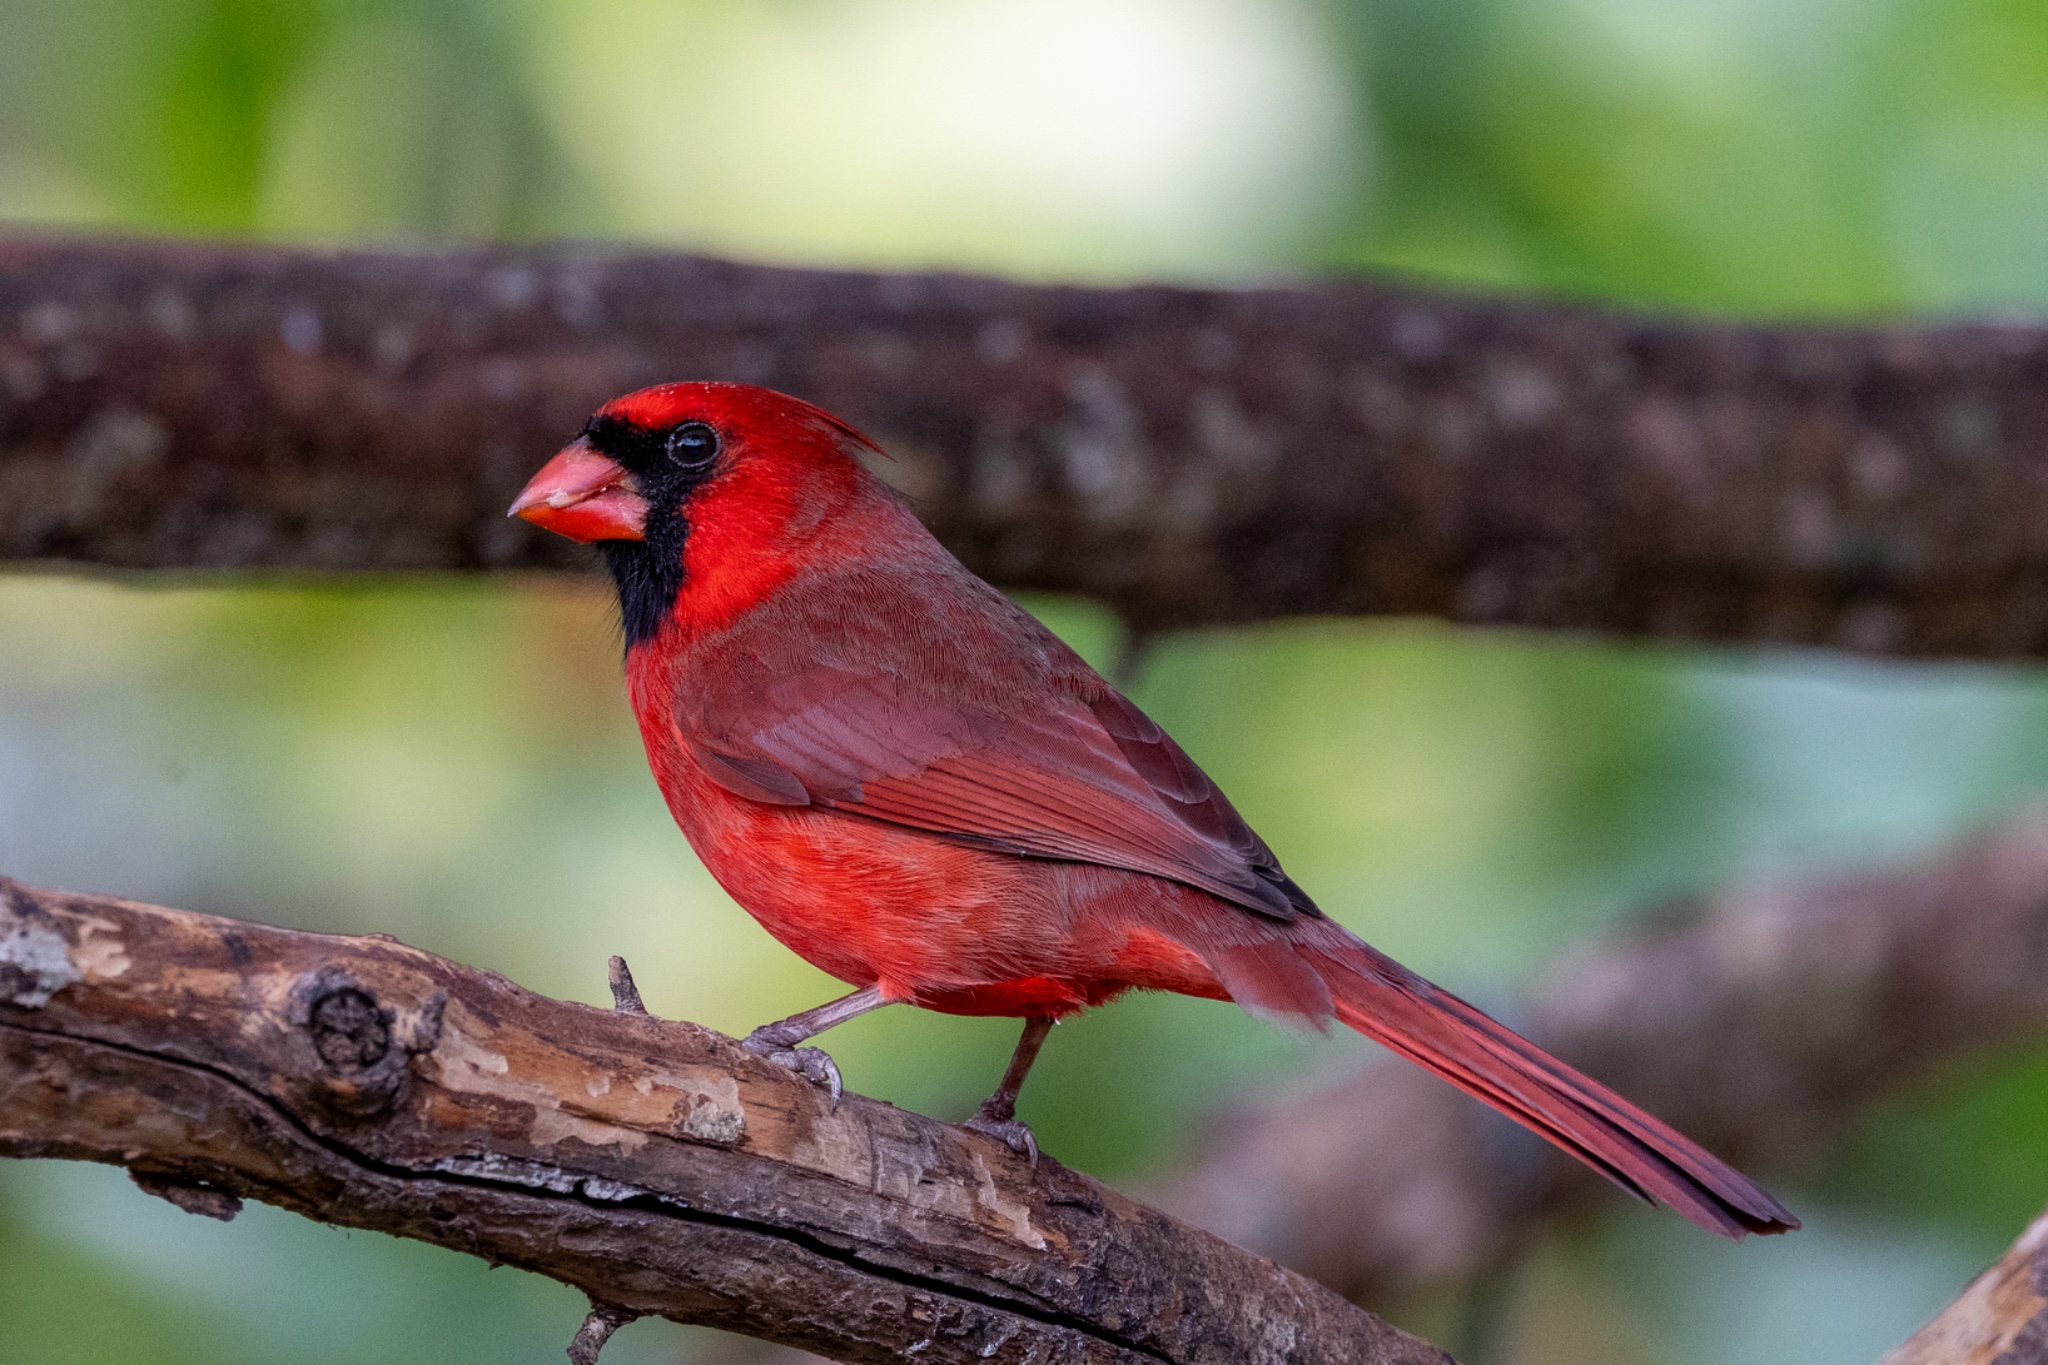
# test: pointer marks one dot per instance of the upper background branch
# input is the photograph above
(1188, 456)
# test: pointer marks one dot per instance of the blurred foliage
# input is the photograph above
(1811, 157)
(453, 761)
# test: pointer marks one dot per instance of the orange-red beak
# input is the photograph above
(584, 496)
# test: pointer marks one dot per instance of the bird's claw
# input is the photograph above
(1017, 1136)
(814, 1064)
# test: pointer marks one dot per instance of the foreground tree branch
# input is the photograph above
(1189, 456)
(654, 1165)
(2001, 1319)
(1760, 1021)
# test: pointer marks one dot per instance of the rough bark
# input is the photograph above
(655, 1165)
(1760, 1021)
(2001, 1319)
(1187, 455)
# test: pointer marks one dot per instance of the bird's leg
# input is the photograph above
(778, 1041)
(998, 1113)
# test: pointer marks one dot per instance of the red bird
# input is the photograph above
(914, 785)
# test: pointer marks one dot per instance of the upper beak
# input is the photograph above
(584, 496)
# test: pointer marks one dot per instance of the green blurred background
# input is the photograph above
(452, 761)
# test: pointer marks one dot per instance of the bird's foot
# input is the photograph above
(1017, 1136)
(814, 1064)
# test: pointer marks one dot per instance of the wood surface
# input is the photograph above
(653, 1164)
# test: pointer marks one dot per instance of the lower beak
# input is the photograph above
(584, 496)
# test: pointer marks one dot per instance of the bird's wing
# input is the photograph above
(1030, 753)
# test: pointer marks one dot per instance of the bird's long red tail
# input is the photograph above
(1391, 1005)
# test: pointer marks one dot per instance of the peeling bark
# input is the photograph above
(654, 1165)
(1188, 456)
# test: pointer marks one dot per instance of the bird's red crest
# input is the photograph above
(740, 407)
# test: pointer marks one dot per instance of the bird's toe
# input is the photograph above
(1017, 1136)
(814, 1064)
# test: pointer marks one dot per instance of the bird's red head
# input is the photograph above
(657, 474)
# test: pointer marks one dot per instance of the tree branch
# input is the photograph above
(1759, 1021)
(1188, 456)
(2001, 1319)
(654, 1165)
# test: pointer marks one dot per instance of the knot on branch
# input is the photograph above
(349, 1031)
(361, 1051)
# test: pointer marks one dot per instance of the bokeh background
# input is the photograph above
(451, 760)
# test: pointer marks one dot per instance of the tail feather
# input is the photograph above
(1393, 1006)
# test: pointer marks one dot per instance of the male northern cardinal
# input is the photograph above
(913, 784)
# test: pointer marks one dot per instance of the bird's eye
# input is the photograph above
(693, 445)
